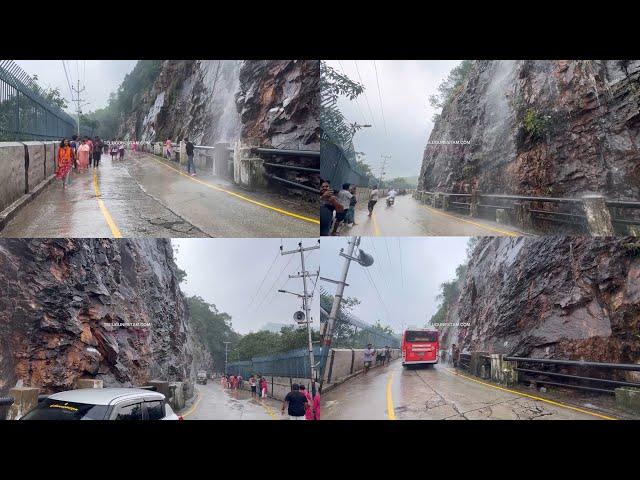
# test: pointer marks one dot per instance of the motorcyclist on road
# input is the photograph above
(391, 197)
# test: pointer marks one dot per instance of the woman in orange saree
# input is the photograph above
(65, 162)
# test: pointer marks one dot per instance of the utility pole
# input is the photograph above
(305, 304)
(226, 355)
(78, 100)
(326, 335)
(383, 166)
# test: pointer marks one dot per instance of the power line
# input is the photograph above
(365, 94)
(66, 74)
(380, 95)
(271, 289)
(263, 280)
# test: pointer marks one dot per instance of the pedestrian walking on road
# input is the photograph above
(455, 354)
(296, 403)
(263, 387)
(84, 151)
(114, 151)
(74, 146)
(253, 385)
(240, 380)
(369, 352)
(344, 197)
(373, 199)
(308, 412)
(223, 381)
(387, 354)
(316, 404)
(383, 356)
(97, 151)
(350, 217)
(189, 147)
(168, 149)
(65, 162)
(121, 150)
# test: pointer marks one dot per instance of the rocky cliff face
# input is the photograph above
(540, 127)
(551, 297)
(272, 102)
(62, 302)
(279, 103)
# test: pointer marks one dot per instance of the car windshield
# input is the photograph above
(59, 410)
(418, 336)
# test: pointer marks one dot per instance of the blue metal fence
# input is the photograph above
(336, 167)
(294, 364)
(24, 113)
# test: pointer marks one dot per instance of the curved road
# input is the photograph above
(439, 393)
(214, 403)
(408, 217)
(144, 196)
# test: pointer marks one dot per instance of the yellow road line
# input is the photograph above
(269, 410)
(391, 414)
(558, 404)
(105, 213)
(376, 230)
(193, 407)
(504, 232)
(242, 197)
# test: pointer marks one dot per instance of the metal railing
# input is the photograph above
(533, 212)
(275, 153)
(24, 113)
(578, 380)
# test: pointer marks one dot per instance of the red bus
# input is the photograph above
(420, 346)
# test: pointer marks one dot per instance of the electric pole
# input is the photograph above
(326, 335)
(78, 101)
(383, 166)
(305, 304)
(226, 355)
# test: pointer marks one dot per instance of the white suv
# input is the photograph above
(103, 404)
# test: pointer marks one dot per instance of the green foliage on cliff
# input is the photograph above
(125, 100)
(450, 291)
(450, 85)
(212, 328)
(536, 123)
(262, 343)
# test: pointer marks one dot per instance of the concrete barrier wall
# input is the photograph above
(343, 363)
(19, 177)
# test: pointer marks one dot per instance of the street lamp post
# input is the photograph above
(226, 355)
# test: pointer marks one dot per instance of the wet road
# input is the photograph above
(437, 393)
(408, 217)
(214, 403)
(144, 196)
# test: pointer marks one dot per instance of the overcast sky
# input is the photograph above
(405, 86)
(230, 273)
(99, 77)
(407, 273)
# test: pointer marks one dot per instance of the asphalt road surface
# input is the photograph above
(439, 393)
(144, 196)
(409, 217)
(214, 403)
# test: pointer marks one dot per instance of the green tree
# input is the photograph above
(212, 327)
(450, 85)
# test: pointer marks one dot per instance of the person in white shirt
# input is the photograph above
(373, 199)
(344, 198)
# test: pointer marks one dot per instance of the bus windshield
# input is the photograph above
(421, 336)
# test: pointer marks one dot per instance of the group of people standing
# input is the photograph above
(382, 356)
(339, 209)
(77, 154)
(300, 403)
(342, 204)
